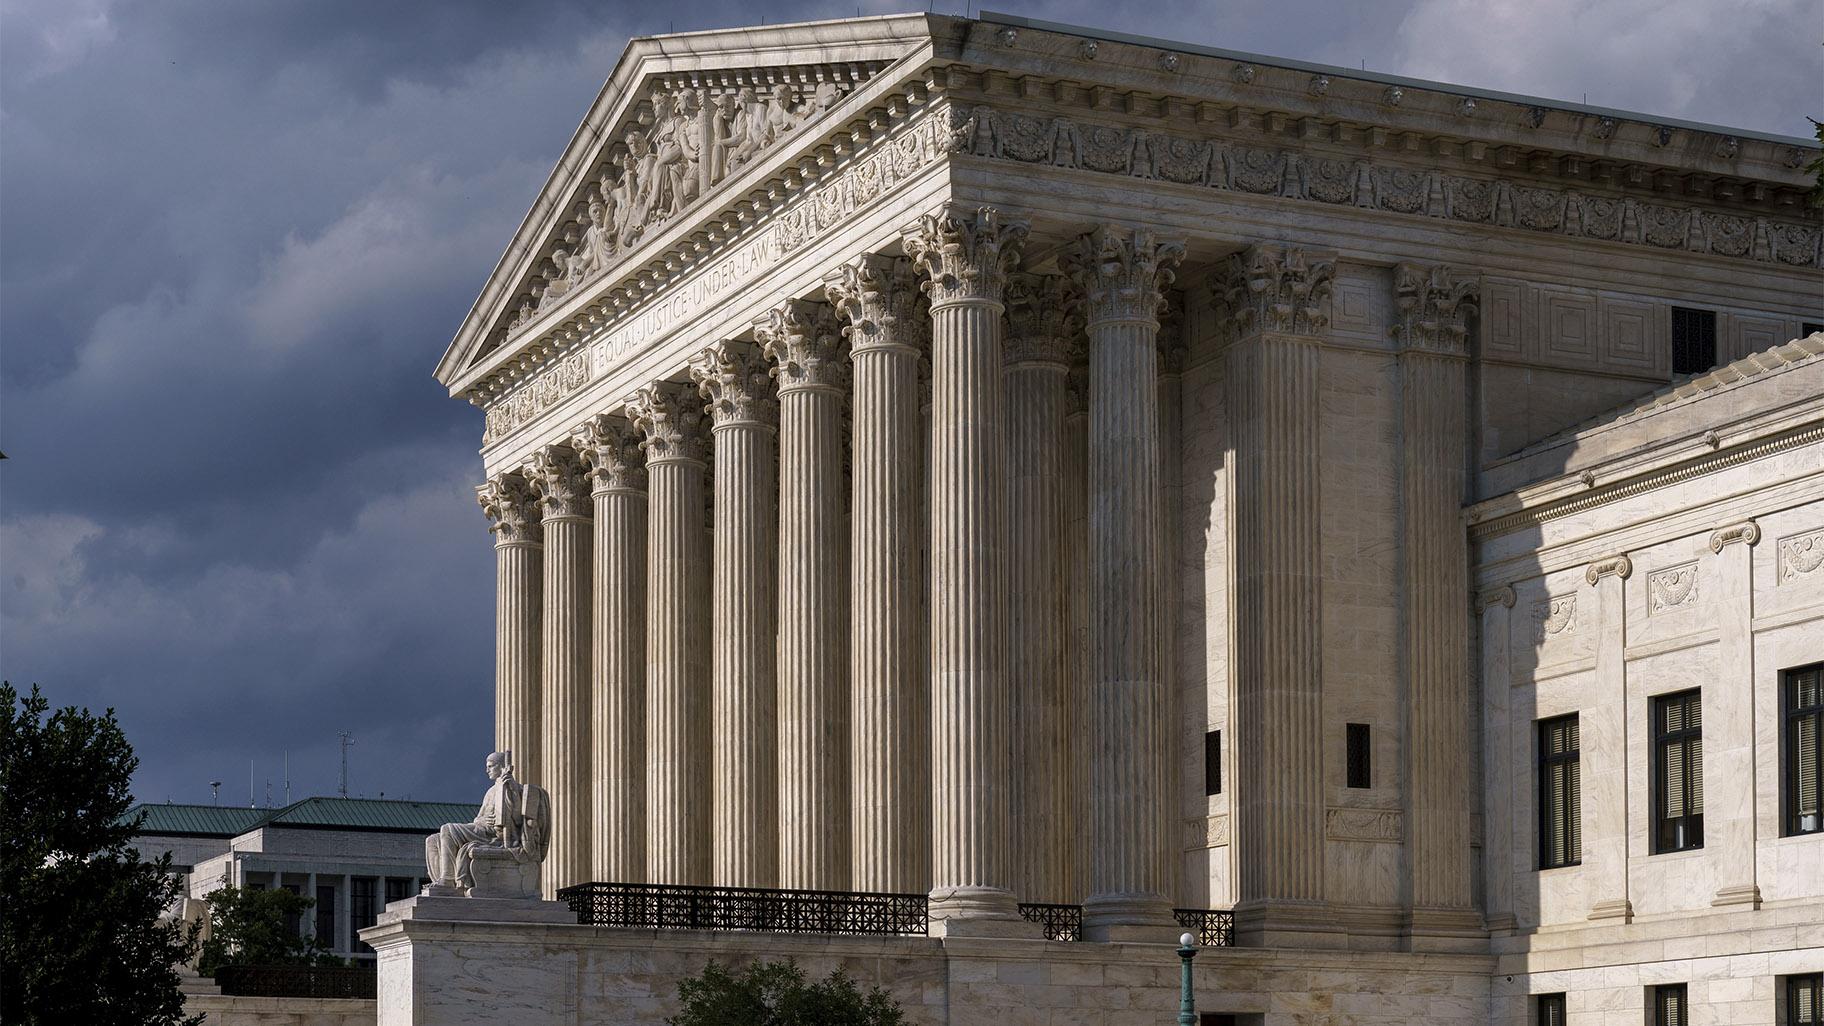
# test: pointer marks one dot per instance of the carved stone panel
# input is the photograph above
(1801, 556)
(1675, 587)
(1375, 826)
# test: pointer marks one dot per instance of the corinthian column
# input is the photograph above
(1076, 576)
(617, 468)
(890, 732)
(1429, 333)
(1277, 302)
(557, 475)
(677, 633)
(732, 376)
(967, 256)
(1037, 363)
(513, 518)
(804, 340)
(1123, 275)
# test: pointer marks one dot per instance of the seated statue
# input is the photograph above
(497, 855)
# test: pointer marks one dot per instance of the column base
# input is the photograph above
(1129, 917)
(1446, 930)
(1619, 908)
(1744, 894)
(1288, 924)
(978, 912)
(477, 910)
(1502, 922)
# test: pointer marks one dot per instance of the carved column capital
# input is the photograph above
(1041, 319)
(558, 477)
(966, 254)
(804, 341)
(1173, 346)
(1122, 273)
(733, 376)
(1272, 289)
(1620, 566)
(610, 446)
(1432, 305)
(879, 298)
(670, 415)
(512, 510)
(1076, 386)
(1747, 532)
(1501, 596)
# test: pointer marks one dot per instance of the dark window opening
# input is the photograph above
(1212, 762)
(1560, 793)
(326, 915)
(1548, 1010)
(361, 913)
(1678, 772)
(1358, 762)
(1669, 1006)
(1810, 328)
(1693, 340)
(398, 888)
(1802, 749)
(1803, 997)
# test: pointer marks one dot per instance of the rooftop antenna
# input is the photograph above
(215, 788)
(250, 803)
(288, 776)
(269, 792)
(346, 739)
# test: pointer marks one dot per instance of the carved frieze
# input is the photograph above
(965, 254)
(611, 448)
(1206, 832)
(512, 510)
(1375, 826)
(1672, 588)
(734, 378)
(1432, 306)
(1800, 556)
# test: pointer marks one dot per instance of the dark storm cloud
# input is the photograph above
(234, 239)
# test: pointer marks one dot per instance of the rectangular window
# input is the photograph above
(1678, 772)
(1212, 762)
(1669, 1005)
(1803, 995)
(1548, 1010)
(361, 907)
(1802, 757)
(1360, 770)
(1693, 340)
(1560, 794)
(326, 915)
(398, 888)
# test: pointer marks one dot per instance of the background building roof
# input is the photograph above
(376, 814)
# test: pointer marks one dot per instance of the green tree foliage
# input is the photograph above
(776, 994)
(249, 927)
(81, 933)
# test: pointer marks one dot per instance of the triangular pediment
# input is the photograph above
(680, 119)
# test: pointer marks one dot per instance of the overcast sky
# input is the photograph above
(235, 238)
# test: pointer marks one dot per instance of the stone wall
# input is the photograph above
(222, 1010)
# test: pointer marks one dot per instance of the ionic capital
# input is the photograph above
(1122, 273)
(1619, 566)
(879, 298)
(611, 448)
(804, 341)
(1432, 305)
(1271, 289)
(1041, 320)
(966, 254)
(1747, 532)
(1502, 596)
(511, 509)
(733, 377)
(561, 482)
(670, 416)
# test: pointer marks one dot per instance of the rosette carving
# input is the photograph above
(805, 342)
(512, 510)
(561, 480)
(1433, 307)
(880, 299)
(1276, 289)
(733, 377)
(966, 255)
(611, 448)
(670, 415)
(1122, 273)
(1041, 319)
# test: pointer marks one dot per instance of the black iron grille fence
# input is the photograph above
(1060, 922)
(1214, 927)
(667, 907)
(304, 981)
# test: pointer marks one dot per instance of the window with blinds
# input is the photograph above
(1560, 794)
(1548, 1010)
(1693, 340)
(1803, 994)
(1212, 762)
(1669, 1005)
(1678, 772)
(1802, 758)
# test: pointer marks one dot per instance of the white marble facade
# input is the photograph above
(978, 413)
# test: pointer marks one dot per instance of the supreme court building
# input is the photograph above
(1094, 485)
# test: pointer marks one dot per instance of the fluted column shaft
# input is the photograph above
(967, 256)
(618, 655)
(1277, 305)
(558, 477)
(514, 520)
(677, 635)
(804, 340)
(1038, 597)
(890, 734)
(732, 376)
(1076, 571)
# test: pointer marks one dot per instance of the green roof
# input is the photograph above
(376, 814)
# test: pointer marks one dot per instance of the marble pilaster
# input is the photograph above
(617, 471)
(966, 255)
(670, 416)
(733, 377)
(513, 518)
(805, 344)
(559, 478)
(1729, 721)
(890, 731)
(1122, 274)
(1500, 801)
(1604, 730)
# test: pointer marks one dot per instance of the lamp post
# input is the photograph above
(1187, 998)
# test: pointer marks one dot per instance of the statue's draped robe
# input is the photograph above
(446, 854)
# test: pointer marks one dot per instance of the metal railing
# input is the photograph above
(1214, 927)
(1059, 922)
(302, 981)
(670, 907)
